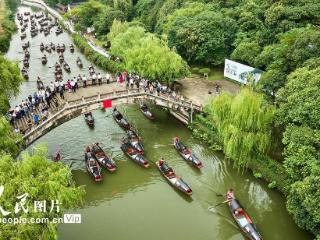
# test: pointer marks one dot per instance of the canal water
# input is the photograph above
(137, 203)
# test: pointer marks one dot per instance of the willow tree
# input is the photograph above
(244, 125)
(38, 180)
(10, 82)
(145, 53)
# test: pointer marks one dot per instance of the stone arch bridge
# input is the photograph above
(76, 104)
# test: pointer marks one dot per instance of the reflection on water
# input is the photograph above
(137, 203)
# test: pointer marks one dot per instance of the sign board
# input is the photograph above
(240, 72)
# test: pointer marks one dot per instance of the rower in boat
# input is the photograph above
(172, 178)
(44, 60)
(91, 70)
(48, 48)
(66, 67)
(79, 63)
(23, 36)
(63, 47)
(26, 63)
(61, 58)
(131, 152)
(135, 141)
(40, 84)
(26, 45)
(243, 220)
(186, 153)
(41, 47)
(57, 157)
(26, 54)
(58, 48)
(24, 73)
(146, 112)
(53, 47)
(71, 48)
(89, 119)
(118, 117)
(93, 166)
(102, 158)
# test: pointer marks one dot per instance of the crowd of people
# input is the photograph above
(43, 99)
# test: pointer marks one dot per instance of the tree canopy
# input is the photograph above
(146, 54)
(41, 180)
(244, 124)
(10, 82)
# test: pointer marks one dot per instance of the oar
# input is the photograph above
(220, 203)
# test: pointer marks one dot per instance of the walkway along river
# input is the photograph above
(137, 203)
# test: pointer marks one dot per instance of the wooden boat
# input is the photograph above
(135, 141)
(41, 47)
(34, 33)
(44, 60)
(47, 48)
(61, 58)
(89, 119)
(24, 73)
(144, 109)
(53, 47)
(25, 45)
(102, 158)
(122, 122)
(79, 63)
(40, 84)
(186, 153)
(129, 150)
(71, 48)
(27, 55)
(23, 36)
(59, 31)
(26, 63)
(92, 165)
(173, 179)
(66, 67)
(243, 220)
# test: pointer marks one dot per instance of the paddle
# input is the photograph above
(220, 203)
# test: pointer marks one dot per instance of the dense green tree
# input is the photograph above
(104, 22)
(205, 38)
(303, 203)
(299, 99)
(42, 180)
(145, 53)
(8, 138)
(301, 152)
(124, 6)
(86, 13)
(244, 124)
(10, 82)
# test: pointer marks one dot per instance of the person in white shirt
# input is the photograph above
(99, 79)
(84, 79)
(108, 77)
(94, 77)
(73, 84)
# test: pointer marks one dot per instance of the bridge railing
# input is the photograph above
(85, 101)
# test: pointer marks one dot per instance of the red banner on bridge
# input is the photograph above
(107, 103)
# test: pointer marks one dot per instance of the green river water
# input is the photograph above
(137, 203)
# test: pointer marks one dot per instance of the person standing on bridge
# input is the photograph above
(108, 77)
(94, 77)
(99, 79)
(84, 80)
